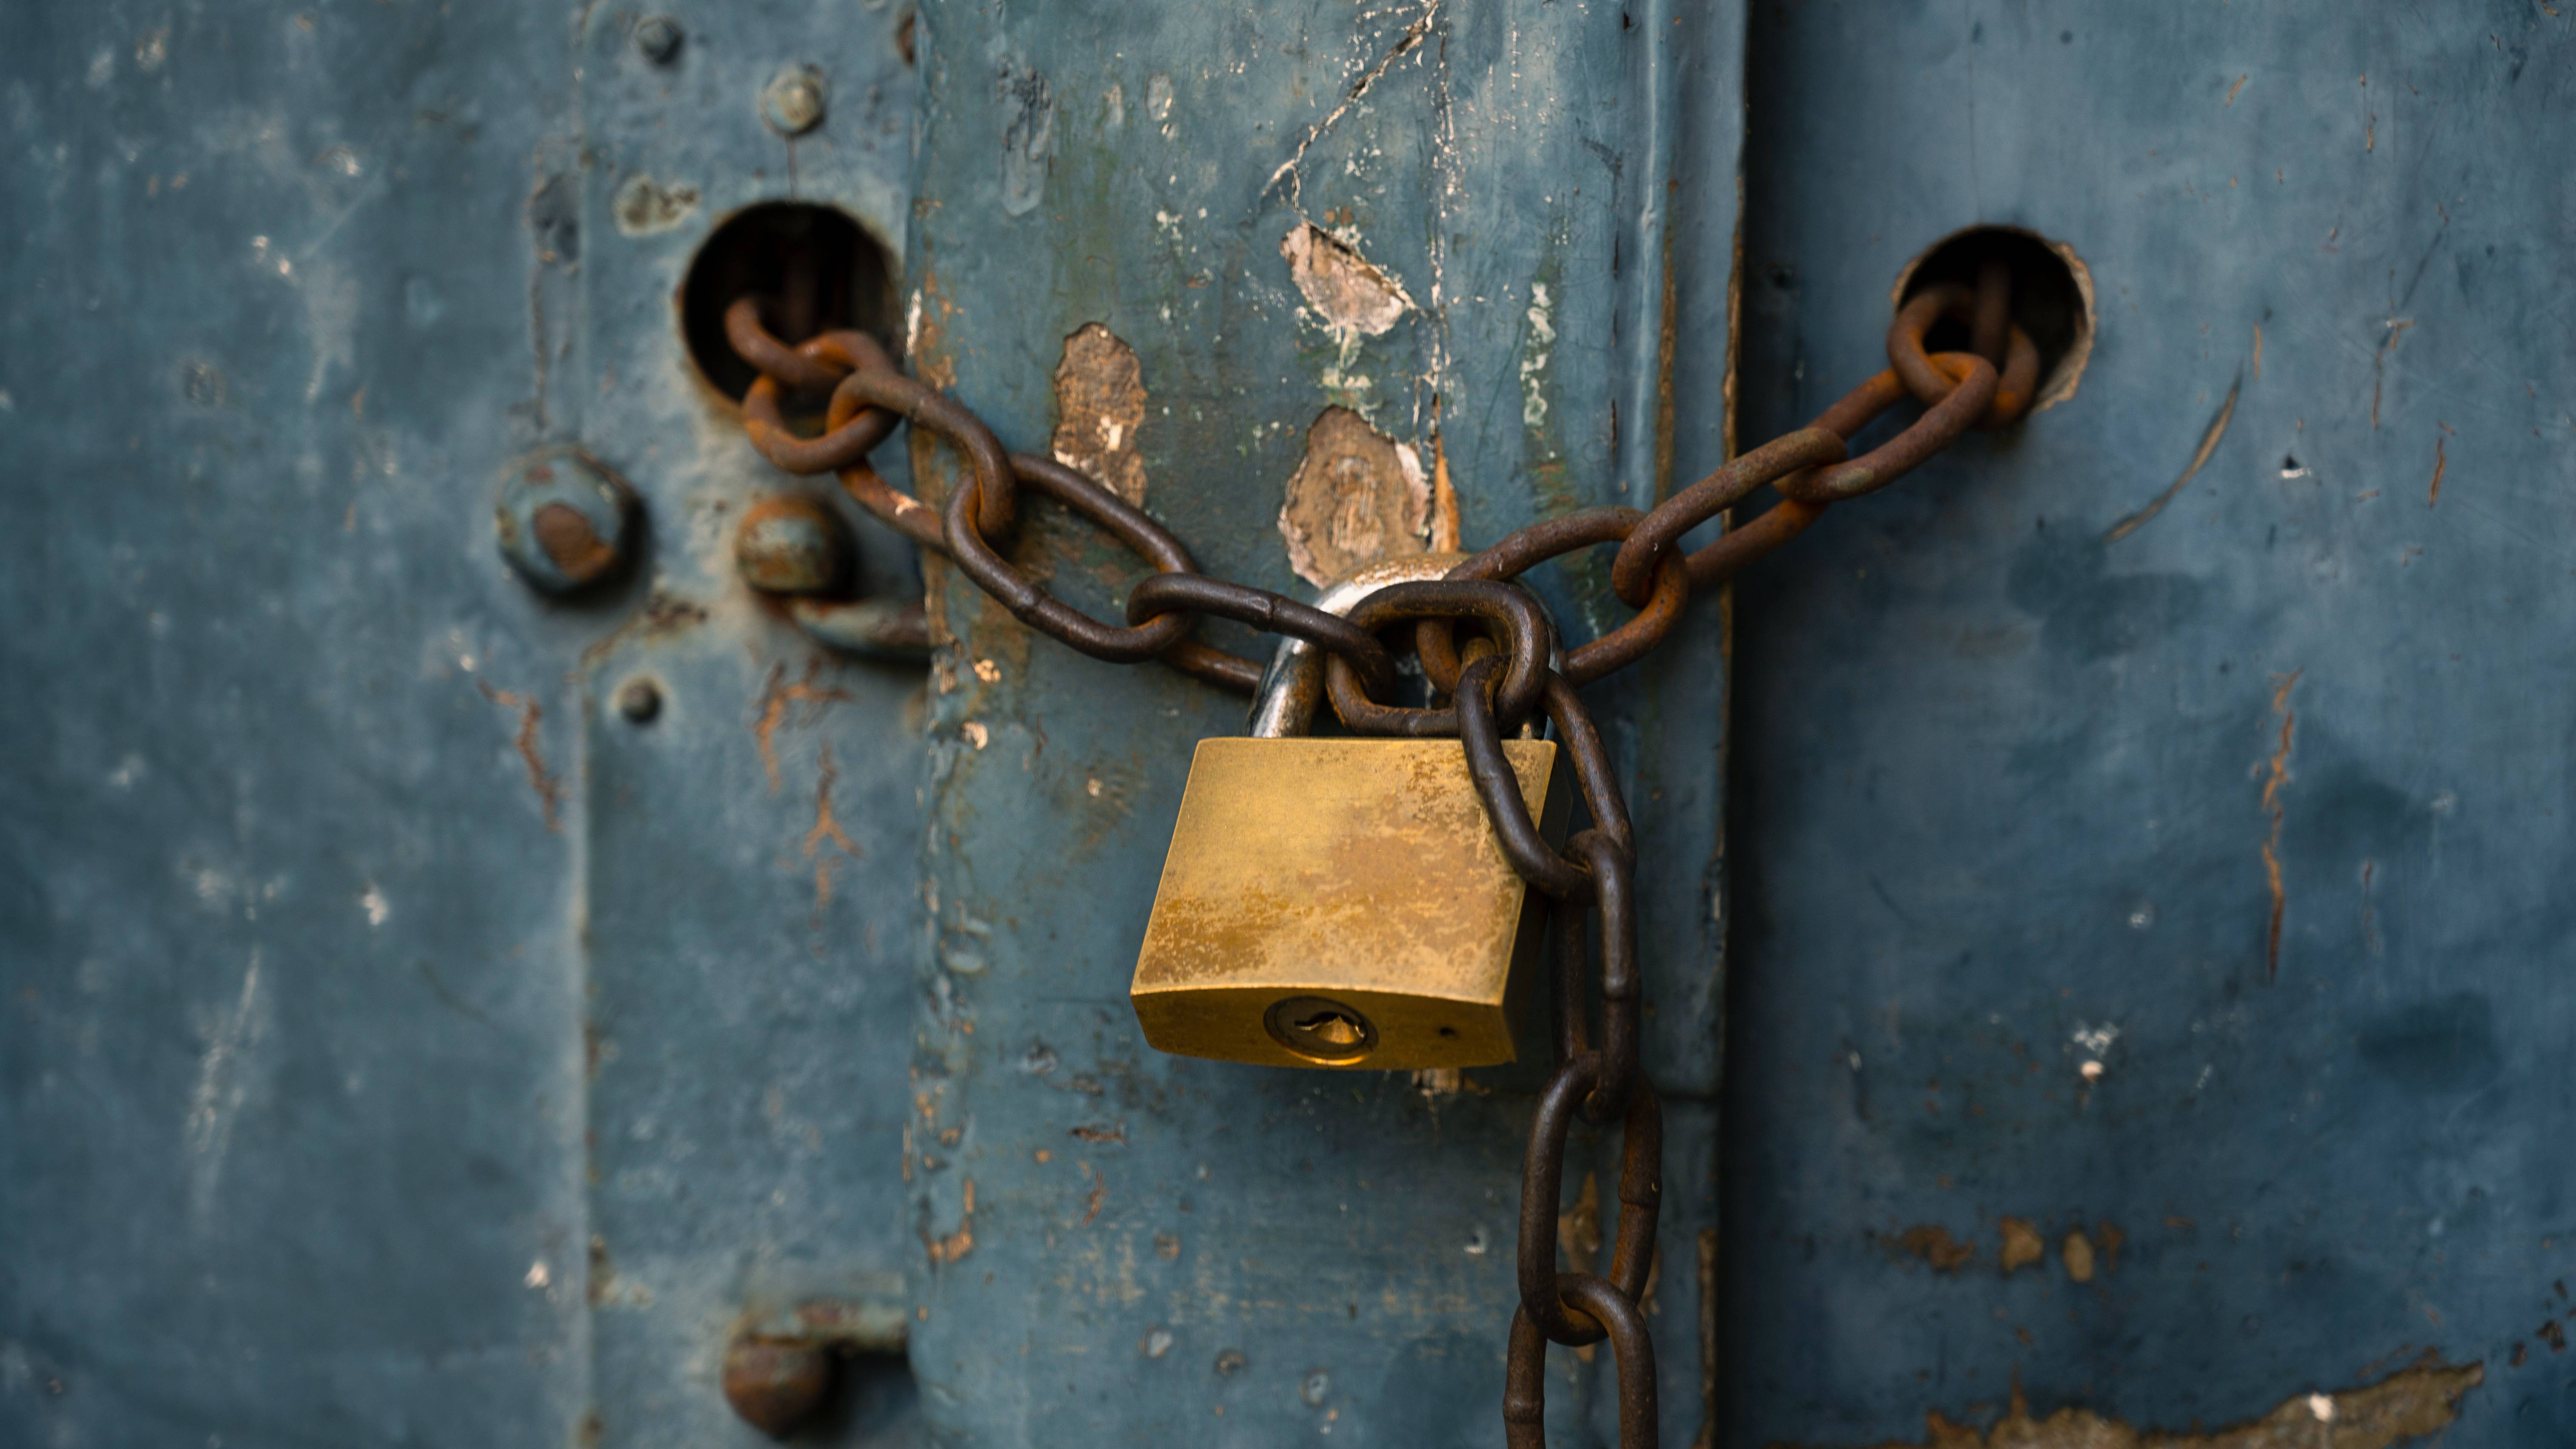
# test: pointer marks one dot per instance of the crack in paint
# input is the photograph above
(2208, 444)
(540, 779)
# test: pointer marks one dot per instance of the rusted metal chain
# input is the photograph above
(1497, 680)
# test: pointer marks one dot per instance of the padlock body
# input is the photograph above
(1312, 880)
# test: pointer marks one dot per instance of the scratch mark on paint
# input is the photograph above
(2216, 430)
(2441, 462)
(1405, 44)
(2379, 364)
(2274, 808)
(2231, 93)
(540, 779)
(217, 1101)
(2258, 352)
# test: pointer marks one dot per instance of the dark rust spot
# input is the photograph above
(776, 1385)
(567, 538)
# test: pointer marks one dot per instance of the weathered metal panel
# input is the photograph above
(2038, 750)
(751, 867)
(290, 1091)
(1458, 224)
(386, 1008)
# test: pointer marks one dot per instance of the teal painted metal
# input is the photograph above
(1128, 1247)
(2017, 741)
(404, 1046)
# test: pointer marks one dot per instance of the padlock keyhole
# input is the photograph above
(1321, 1029)
(1332, 1028)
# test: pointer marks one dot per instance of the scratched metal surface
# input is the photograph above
(342, 911)
(1125, 1247)
(2004, 783)
(290, 1092)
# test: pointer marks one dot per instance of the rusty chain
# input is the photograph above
(1493, 683)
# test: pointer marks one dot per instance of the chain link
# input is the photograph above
(1496, 680)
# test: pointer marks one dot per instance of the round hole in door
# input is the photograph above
(2052, 298)
(822, 270)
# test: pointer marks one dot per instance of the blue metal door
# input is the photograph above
(2115, 916)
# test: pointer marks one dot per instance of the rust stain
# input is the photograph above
(2021, 1245)
(2441, 463)
(826, 828)
(1099, 1193)
(1933, 1244)
(2077, 1251)
(1100, 406)
(1098, 1134)
(1578, 1228)
(2273, 808)
(2110, 1237)
(775, 696)
(2406, 1405)
(531, 714)
(2209, 437)
(1357, 497)
(959, 1243)
(1444, 499)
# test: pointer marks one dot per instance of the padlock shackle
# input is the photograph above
(1293, 686)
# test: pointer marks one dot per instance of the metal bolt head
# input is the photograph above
(792, 102)
(564, 521)
(657, 38)
(776, 1385)
(791, 545)
(639, 700)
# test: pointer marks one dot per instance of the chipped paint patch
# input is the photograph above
(2021, 1245)
(958, 1244)
(1357, 497)
(644, 206)
(1028, 137)
(1100, 406)
(2404, 1406)
(1346, 290)
(1534, 356)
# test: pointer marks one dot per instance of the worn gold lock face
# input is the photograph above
(1341, 902)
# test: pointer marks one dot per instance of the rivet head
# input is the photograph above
(657, 38)
(564, 521)
(776, 1385)
(639, 700)
(792, 102)
(791, 545)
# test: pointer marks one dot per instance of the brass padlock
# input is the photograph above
(1341, 902)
